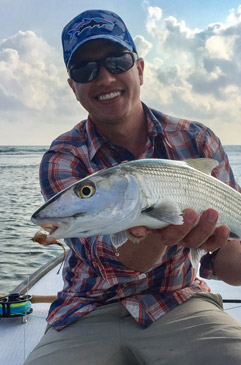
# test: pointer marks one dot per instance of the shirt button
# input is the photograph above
(142, 276)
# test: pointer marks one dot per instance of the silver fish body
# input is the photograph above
(149, 192)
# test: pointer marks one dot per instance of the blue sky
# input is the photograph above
(191, 49)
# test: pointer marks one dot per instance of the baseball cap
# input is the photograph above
(94, 24)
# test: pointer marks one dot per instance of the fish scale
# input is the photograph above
(199, 190)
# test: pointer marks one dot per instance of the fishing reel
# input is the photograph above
(15, 305)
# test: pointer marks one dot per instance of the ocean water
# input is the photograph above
(19, 198)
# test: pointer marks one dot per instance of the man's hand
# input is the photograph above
(144, 255)
(191, 234)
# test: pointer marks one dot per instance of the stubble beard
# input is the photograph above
(113, 120)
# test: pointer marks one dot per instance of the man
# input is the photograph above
(143, 303)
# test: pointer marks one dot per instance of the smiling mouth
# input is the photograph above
(109, 96)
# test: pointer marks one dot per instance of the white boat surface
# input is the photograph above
(18, 339)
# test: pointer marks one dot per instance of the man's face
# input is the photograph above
(109, 98)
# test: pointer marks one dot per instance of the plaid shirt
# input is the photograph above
(92, 274)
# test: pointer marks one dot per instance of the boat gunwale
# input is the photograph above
(28, 283)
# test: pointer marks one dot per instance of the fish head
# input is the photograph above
(100, 204)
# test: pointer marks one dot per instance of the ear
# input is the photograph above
(140, 68)
(71, 84)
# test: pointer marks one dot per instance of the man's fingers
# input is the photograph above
(138, 232)
(190, 234)
(203, 230)
(218, 240)
(173, 234)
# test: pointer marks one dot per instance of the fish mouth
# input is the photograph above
(56, 227)
(50, 228)
(60, 231)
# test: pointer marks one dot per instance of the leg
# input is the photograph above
(92, 340)
(196, 332)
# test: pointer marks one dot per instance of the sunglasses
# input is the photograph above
(115, 64)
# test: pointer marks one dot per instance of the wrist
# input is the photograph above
(213, 256)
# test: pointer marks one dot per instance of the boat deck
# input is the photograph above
(20, 338)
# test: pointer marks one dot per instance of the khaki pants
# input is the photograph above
(196, 332)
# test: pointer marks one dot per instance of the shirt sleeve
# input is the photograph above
(60, 167)
(211, 147)
(58, 170)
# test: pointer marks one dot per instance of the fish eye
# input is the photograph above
(85, 191)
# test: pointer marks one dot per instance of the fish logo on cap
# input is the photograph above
(88, 23)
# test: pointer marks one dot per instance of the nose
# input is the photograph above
(105, 77)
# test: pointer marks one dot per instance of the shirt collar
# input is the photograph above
(153, 124)
(95, 140)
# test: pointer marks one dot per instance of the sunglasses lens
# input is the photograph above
(88, 71)
(85, 72)
(117, 65)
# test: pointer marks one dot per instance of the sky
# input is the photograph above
(191, 48)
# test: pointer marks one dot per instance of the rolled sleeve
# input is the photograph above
(211, 147)
(206, 268)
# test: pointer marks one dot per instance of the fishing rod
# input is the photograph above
(16, 305)
(231, 300)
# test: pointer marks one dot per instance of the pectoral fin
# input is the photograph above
(166, 211)
(118, 239)
(195, 256)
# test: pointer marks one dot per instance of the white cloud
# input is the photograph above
(36, 102)
(219, 46)
(235, 17)
(142, 45)
(154, 14)
(197, 72)
(28, 72)
(32, 49)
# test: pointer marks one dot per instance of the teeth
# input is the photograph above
(109, 96)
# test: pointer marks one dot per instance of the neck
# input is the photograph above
(130, 133)
(133, 138)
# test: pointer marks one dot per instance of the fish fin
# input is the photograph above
(166, 211)
(118, 239)
(195, 256)
(233, 236)
(205, 165)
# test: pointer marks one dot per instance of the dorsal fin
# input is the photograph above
(205, 165)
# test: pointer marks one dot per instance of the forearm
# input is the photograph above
(227, 263)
